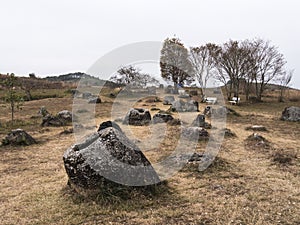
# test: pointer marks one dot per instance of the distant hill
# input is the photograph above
(69, 80)
(77, 76)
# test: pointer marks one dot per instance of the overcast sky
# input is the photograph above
(59, 36)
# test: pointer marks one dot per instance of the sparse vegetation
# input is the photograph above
(246, 184)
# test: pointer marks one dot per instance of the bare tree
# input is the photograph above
(231, 63)
(284, 82)
(269, 64)
(220, 73)
(203, 64)
(174, 63)
(250, 69)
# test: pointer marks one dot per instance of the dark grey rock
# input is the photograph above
(86, 95)
(195, 133)
(182, 106)
(107, 124)
(52, 121)
(18, 137)
(291, 114)
(168, 100)
(162, 118)
(108, 157)
(228, 133)
(61, 119)
(95, 100)
(65, 115)
(196, 157)
(138, 117)
(218, 111)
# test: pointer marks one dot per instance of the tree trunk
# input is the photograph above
(260, 92)
(202, 93)
(230, 90)
(237, 89)
(256, 89)
(228, 93)
(247, 90)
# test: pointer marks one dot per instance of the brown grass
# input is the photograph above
(240, 187)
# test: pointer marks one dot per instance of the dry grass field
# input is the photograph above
(246, 184)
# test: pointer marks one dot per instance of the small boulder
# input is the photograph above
(168, 100)
(52, 121)
(195, 133)
(65, 115)
(228, 133)
(18, 137)
(108, 124)
(291, 114)
(96, 100)
(108, 159)
(86, 95)
(196, 157)
(138, 117)
(219, 111)
(182, 106)
(162, 118)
